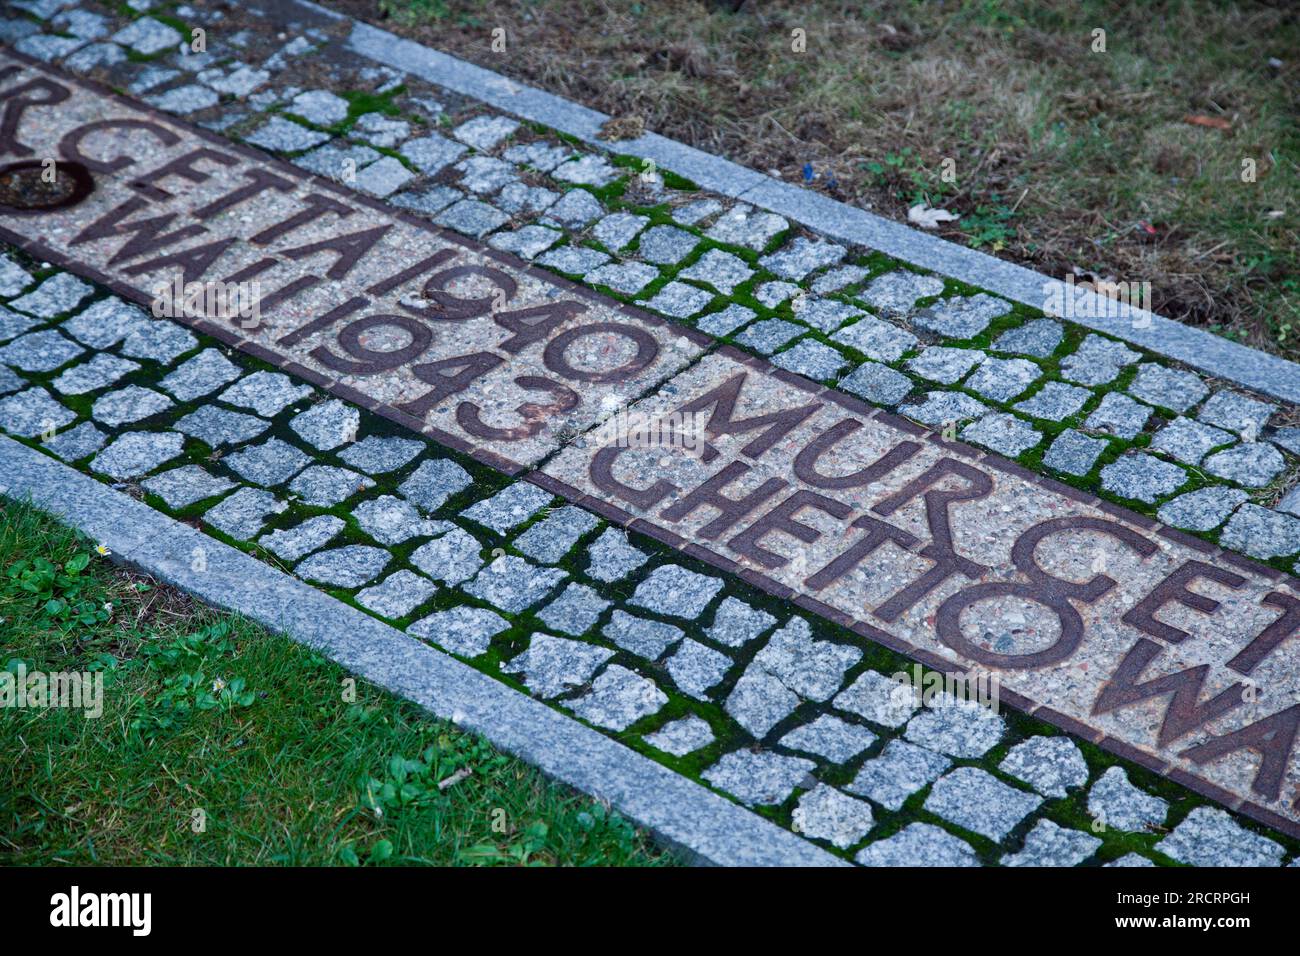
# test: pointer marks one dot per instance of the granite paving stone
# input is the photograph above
(824, 813)
(242, 514)
(742, 225)
(679, 300)
(485, 132)
(539, 155)
(1167, 387)
(527, 242)
(103, 369)
(182, 487)
(147, 36)
(135, 454)
(451, 558)
(961, 317)
(877, 383)
(383, 177)
(976, 800)
(377, 454)
(1202, 510)
(125, 406)
(618, 699)
(327, 425)
(320, 107)
(513, 584)
(1074, 452)
(680, 737)
(325, 485)
(942, 408)
(1142, 478)
(302, 539)
(736, 623)
(1055, 401)
(1117, 804)
(284, 136)
(383, 131)
(463, 630)
(641, 636)
(900, 771)
(1050, 845)
(485, 174)
(1236, 412)
(266, 393)
(696, 211)
(432, 153)
(183, 100)
(391, 520)
(839, 278)
(574, 260)
(896, 293)
(1097, 361)
(1252, 464)
(552, 538)
(31, 412)
(56, 295)
(918, 844)
(1210, 837)
(575, 611)
(586, 171)
(1001, 380)
(812, 669)
(828, 736)
(721, 270)
(12, 324)
(762, 778)
(876, 339)
(811, 359)
(271, 463)
(666, 245)
(772, 294)
(216, 427)
(618, 229)
(159, 341)
(769, 335)
(725, 321)
(1189, 441)
(553, 665)
(1051, 765)
(1118, 415)
(612, 558)
(76, 443)
(628, 278)
(350, 566)
(200, 375)
(944, 365)
(42, 351)
(675, 591)
(472, 217)
(956, 728)
(105, 322)
(695, 668)
(877, 698)
(1261, 533)
(824, 315)
(509, 507)
(1003, 433)
(1131, 860)
(798, 258)
(575, 209)
(759, 701)
(397, 595)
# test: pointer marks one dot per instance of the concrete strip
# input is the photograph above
(1203, 350)
(677, 810)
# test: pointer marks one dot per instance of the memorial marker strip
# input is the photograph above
(1158, 646)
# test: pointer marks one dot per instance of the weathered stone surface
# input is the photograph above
(1116, 803)
(1003, 379)
(743, 226)
(451, 558)
(959, 729)
(1003, 433)
(485, 132)
(666, 245)
(675, 591)
(961, 317)
(199, 376)
(42, 351)
(944, 365)
(1236, 412)
(1261, 533)
(769, 335)
(463, 630)
(128, 405)
(272, 463)
(918, 844)
(242, 515)
(1169, 388)
(182, 487)
(619, 698)
(391, 520)
(575, 611)
(76, 443)
(1118, 415)
(1210, 837)
(695, 668)
(1252, 464)
(759, 701)
(302, 539)
(1038, 337)
(266, 393)
(472, 217)
(397, 595)
(679, 300)
(1202, 510)
(758, 778)
(878, 699)
(900, 771)
(1074, 452)
(811, 359)
(1055, 401)
(719, 269)
(628, 278)
(943, 408)
(830, 737)
(641, 636)
(1051, 765)
(680, 737)
(553, 665)
(1050, 845)
(433, 482)
(978, 801)
(553, 537)
(1097, 361)
(347, 567)
(512, 584)
(725, 321)
(136, 454)
(735, 623)
(878, 383)
(510, 507)
(824, 813)
(876, 339)
(896, 293)
(377, 455)
(1142, 477)
(100, 371)
(325, 485)
(612, 557)
(812, 669)
(798, 258)
(283, 136)
(1189, 441)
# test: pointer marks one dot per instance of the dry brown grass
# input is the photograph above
(1062, 154)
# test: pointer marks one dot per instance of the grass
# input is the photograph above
(1063, 157)
(220, 743)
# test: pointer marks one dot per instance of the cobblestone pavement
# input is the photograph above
(793, 714)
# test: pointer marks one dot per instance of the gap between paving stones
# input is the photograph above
(759, 366)
(682, 813)
(1220, 357)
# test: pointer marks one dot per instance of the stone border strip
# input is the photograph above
(677, 810)
(1196, 347)
(617, 515)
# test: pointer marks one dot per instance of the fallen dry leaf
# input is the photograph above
(1214, 122)
(927, 217)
